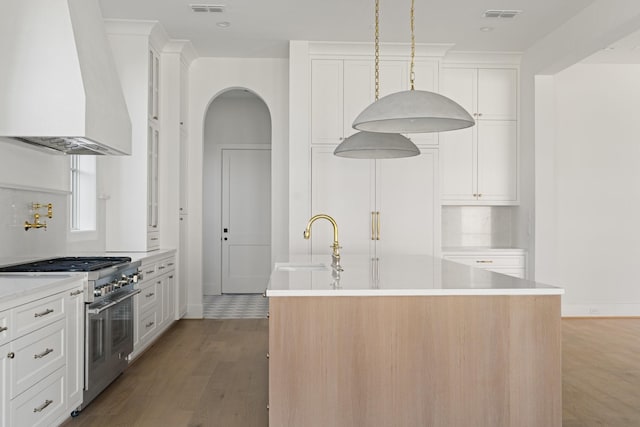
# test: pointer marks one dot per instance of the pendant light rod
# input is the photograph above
(412, 74)
(377, 50)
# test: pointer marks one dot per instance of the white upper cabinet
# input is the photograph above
(154, 85)
(342, 88)
(479, 165)
(327, 125)
(359, 84)
(132, 182)
(497, 94)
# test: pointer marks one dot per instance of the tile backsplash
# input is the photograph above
(16, 207)
(476, 226)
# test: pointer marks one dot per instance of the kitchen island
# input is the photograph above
(411, 341)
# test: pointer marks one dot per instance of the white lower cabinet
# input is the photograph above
(155, 306)
(41, 360)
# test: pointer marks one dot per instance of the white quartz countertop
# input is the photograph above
(399, 275)
(15, 286)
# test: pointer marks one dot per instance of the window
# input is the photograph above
(83, 193)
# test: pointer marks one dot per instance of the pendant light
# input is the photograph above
(413, 111)
(376, 145)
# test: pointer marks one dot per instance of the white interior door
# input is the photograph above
(246, 220)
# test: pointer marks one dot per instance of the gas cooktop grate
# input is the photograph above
(66, 264)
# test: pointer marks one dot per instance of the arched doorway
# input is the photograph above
(236, 194)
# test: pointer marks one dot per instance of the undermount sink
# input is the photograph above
(296, 266)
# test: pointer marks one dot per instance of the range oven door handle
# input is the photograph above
(112, 303)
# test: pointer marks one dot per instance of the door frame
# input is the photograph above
(239, 147)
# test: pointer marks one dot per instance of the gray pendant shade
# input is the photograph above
(376, 145)
(413, 111)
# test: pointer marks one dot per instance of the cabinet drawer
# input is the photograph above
(148, 325)
(35, 356)
(153, 240)
(488, 261)
(42, 405)
(150, 295)
(149, 271)
(5, 326)
(166, 265)
(29, 317)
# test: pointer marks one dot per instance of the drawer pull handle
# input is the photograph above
(74, 293)
(43, 354)
(150, 324)
(149, 295)
(162, 267)
(44, 313)
(3, 328)
(11, 355)
(149, 272)
(483, 261)
(171, 264)
(44, 405)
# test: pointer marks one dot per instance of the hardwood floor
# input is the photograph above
(601, 372)
(214, 373)
(200, 373)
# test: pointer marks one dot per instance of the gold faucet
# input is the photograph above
(335, 257)
(36, 217)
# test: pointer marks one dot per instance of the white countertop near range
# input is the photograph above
(400, 275)
(16, 286)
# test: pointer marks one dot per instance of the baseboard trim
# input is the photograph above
(601, 310)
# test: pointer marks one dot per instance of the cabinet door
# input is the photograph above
(169, 294)
(341, 188)
(326, 101)
(458, 165)
(152, 179)
(497, 94)
(407, 199)
(394, 77)
(75, 347)
(460, 84)
(4, 380)
(497, 160)
(154, 85)
(359, 85)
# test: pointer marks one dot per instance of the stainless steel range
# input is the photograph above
(112, 283)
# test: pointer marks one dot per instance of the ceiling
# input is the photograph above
(262, 29)
(624, 51)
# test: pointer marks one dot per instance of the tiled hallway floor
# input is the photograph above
(235, 306)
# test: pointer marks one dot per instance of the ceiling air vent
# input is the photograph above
(505, 14)
(207, 8)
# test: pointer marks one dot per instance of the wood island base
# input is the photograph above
(441, 361)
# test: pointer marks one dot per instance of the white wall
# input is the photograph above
(230, 121)
(595, 27)
(596, 204)
(30, 176)
(208, 77)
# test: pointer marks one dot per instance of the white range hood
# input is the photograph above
(59, 87)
